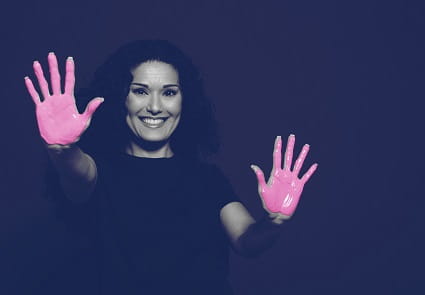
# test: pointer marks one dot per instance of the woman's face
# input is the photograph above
(154, 102)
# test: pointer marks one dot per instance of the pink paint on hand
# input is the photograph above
(282, 192)
(58, 119)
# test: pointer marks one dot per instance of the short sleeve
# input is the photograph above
(220, 187)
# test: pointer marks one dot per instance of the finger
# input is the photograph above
(54, 73)
(92, 106)
(44, 87)
(299, 162)
(289, 152)
(70, 76)
(277, 154)
(32, 91)
(309, 173)
(260, 176)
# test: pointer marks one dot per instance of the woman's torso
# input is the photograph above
(158, 227)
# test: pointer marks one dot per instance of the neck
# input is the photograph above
(150, 150)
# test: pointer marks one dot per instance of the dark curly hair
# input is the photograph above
(196, 135)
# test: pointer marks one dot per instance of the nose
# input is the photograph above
(154, 106)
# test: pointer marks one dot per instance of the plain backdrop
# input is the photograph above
(346, 77)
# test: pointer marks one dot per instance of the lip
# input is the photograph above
(149, 117)
(153, 118)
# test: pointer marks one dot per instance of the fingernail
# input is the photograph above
(70, 58)
(51, 53)
(292, 134)
(26, 77)
(35, 62)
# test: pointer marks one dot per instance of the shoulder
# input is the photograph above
(207, 170)
(216, 180)
(212, 171)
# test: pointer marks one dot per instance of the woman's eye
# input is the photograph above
(170, 92)
(140, 91)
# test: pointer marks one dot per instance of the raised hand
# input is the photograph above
(58, 119)
(282, 192)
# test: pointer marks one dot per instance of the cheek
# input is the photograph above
(131, 105)
(176, 107)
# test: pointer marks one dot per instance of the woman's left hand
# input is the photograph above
(282, 192)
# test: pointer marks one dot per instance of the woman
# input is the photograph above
(161, 218)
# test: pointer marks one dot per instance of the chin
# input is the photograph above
(154, 138)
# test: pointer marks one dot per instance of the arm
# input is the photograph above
(279, 196)
(249, 238)
(77, 171)
(61, 126)
(259, 237)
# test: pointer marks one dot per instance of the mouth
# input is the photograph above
(152, 122)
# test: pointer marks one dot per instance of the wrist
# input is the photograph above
(63, 155)
(59, 148)
(272, 219)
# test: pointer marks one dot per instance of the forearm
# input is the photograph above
(259, 237)
(77, 171)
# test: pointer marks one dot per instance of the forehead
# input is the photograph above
(155, 71)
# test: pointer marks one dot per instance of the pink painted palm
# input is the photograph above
(281, 194)
(58, 119)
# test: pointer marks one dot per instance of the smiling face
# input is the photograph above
(154, 102)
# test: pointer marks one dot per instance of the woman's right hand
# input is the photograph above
(58, 119)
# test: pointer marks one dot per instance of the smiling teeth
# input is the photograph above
(153, 121)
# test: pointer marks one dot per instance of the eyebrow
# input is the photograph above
(164, 86)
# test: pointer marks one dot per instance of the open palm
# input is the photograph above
(281, 194)
(58, 119)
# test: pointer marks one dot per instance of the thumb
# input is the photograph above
(260, 176)
(92, 106)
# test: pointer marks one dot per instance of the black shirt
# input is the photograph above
(155, 226)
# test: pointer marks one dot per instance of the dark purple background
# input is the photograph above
(345, 78)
